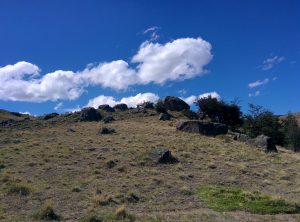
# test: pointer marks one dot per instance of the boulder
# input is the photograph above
(90, 114)
(106, 108)
(264, 142)
(105, 130)
(121, 106)
(241, 137)
(145, 105)
(175, 104)
(162, 155)
(50, 116)
(202, 127)
(164, 116)
(108, 119)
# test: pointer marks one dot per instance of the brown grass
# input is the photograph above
(54, 159)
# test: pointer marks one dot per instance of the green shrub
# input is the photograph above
(219, 111)
(232, 199)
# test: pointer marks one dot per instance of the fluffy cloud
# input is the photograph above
(269, 63)
(258, 83)
(191, 99)
(116, 75)
(180, 59)
(131, 101)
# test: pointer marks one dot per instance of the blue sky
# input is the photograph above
(56, 56)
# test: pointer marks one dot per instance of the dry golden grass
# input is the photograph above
(56, 157)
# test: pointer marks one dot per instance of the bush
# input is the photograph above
(291, 132)
(219, 111)
(47, 213)
(189, 114)
(261, 121)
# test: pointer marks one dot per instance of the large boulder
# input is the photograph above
(108, 119)
(202, 127)
(175, 104)
(90, 114)
(162, 155)
(145, 105)
(105, 130)
(261, 141)
(264, 142)
(50, 116)
(106, 108)
(164, 116)
(241, 137)
(121, 107)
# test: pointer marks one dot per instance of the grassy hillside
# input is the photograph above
(67, 166)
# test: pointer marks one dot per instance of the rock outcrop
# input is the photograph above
(121, 107)
(106, 108)
(175, 104)
(90, 114)
(261, 141)
(163, 156)
(202, 127)
(164, 116)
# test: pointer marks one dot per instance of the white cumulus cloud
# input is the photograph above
(131, 101)
(180, 59)
(177, 60)
(191, 99)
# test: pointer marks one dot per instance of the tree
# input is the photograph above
(219, 111)
(261, 121)
(291, 132)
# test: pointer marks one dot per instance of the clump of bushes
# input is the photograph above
(220, 111)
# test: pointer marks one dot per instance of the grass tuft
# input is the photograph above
(47, 213)
(232, 199)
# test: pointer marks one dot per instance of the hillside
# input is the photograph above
(81, 173)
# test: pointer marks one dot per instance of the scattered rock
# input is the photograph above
(76, 190)
(265, 142)
(50, 116)
(108, 119)
(262, 141)
(106, 108)
(162, 155)
(202, 127)
(241, 137)
(164, 116)
(105, 130)
(90, 114)
(175, 104)
(145, 105)
(121, 107)
(111, 164)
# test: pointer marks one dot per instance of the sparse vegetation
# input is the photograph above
(65, 160)
(231, 199)
(47, 213)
